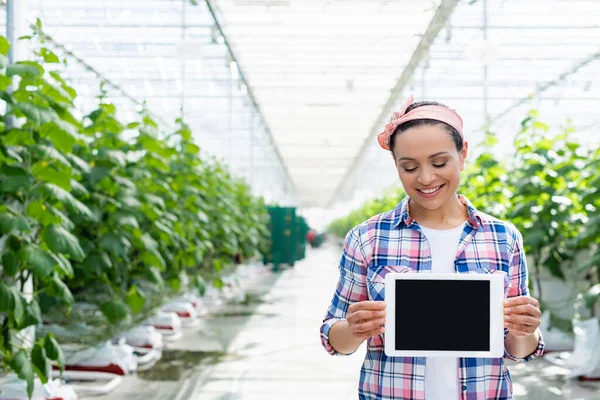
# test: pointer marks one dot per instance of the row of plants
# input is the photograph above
(549, 188)
(111, 216)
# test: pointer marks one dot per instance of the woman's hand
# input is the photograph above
(366, 319)
(522, 315)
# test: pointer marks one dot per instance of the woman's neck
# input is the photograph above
(448, 216)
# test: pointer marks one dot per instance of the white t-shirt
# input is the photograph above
(441, 374)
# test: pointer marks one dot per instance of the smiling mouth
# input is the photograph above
(431, 190)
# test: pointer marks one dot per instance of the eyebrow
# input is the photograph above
(431, 156)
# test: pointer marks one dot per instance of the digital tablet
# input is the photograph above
(444, 315)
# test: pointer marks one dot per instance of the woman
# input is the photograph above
(432, 230)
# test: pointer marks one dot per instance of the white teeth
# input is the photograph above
(429, 191)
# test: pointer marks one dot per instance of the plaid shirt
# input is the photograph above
(393, 241)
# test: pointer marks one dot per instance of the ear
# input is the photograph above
(463, 155)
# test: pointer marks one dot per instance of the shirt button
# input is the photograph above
(464, 388)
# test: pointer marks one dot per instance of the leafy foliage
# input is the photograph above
(101, 213)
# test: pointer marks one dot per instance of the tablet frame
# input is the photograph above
(496, 315)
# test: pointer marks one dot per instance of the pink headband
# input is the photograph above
(437, 113)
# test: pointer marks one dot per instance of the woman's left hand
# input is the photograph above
(522, 315)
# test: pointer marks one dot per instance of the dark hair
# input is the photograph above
(456, 136)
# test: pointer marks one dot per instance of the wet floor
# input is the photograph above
(266, 346)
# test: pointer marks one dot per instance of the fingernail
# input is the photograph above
(381, 321)
(507, 310)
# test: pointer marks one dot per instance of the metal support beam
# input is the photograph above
(209, 4)
(64, 50)
(437, 23)
(545, 86)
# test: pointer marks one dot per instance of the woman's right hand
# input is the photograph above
(366, 319)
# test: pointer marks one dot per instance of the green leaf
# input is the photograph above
(39, 211)
(200, 284)
(135, 299)
(10, 264)
(116, 157)
(61, 290)
(36, 114)
(541, 126)
(16, 179)
(7, 298)
(18, 137)
(76, 161)
(64, 265)
(153, 258)
(49, 56)
(31, 312)
(157, 201)
(78, 189)
(4, 81)
(40, 362)
(97, 174)
(125, 219)
(62, 134)
(115, 311)
(174, 284)
(74, 205)
(25, 69)
(18, 310)
(592, 295)
(50, 153)
(4, 46)
(42, 262)
(153, 273)
(53, 350)
(43, 172)
(59, 240)
(218, 283)
(114, 244)
(22, 366)
(13, 223)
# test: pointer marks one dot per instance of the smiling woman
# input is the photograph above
(432, 230)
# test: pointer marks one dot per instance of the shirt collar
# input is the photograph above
(402, 215)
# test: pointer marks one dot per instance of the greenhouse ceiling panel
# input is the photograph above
(322, 71)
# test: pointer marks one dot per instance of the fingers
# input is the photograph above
(366, 326)
(520, 330)
(522, 320)
(525, 309)
(365, 335)
(520, 300)
(366, 305)
(365, 315)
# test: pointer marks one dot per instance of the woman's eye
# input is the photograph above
(410, 169)
(440, 165)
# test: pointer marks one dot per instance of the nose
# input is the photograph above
(426, 176)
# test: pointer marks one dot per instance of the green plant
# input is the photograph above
(546, 208)
(104, 220)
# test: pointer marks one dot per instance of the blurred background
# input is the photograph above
(177, 178)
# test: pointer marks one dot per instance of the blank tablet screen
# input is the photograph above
(442, 315)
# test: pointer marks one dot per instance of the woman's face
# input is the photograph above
(428, 165)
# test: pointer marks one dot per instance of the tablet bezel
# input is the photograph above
(496, 315)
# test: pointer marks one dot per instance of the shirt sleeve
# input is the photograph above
(518, 287)
(351, 287)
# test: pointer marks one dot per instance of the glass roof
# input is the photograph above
(296, 105)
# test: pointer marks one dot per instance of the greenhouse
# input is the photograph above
(207, 199)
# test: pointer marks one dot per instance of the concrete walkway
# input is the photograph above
(269, 348)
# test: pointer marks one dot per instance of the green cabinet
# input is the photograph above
(284, 236)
